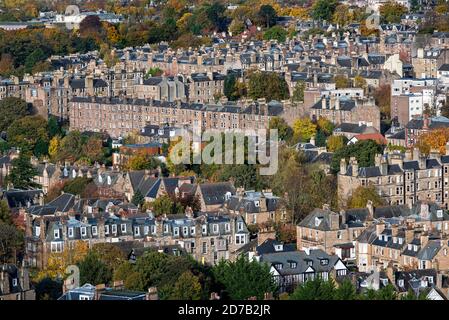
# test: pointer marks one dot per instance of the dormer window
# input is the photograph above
(324, 262)
(401, 240)
(175, 231)
(192, 230)
(395, 240)
(293, 265)
(153, 229)
(278, 247)
(14, 282)
(227, 227)
(83, 231)
(430, 279)
(123, 227)
(240, 226)
(185, 231)
(106, 229)
(409, 247)
(415, 247)
(256, 204)
(165, 228)
(401, 283)
(38, 231)
(278, 266)
(146, 230)
(70, 232)
(204, 229)
(56, 234)
(94, 230)
(309, 263)
(215, 228)
(114, 228)
(136, 231)
(439, 213)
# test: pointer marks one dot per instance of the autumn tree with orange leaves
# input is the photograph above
(433, 140)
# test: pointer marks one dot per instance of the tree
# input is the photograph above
(93, 149)
(11, 242)
(298, 92)
(22, 173)
(433, 140)
(382, 97)
(165, 205)
(360, 82)
(267, 15)
(141, 162)
(138, 199)
(316, 289)
(386, 293)
(362, 195)
(342, 15)
(154, 72)
(325, 126)
(77, 185)
(277, 33)
(323, 9)
(345, 291)
(26, 132)
(12, 109)
(304, 129)
(237, 27)
(243, 279)
(53, 127)
(35, 57)
(215, 14)
(93, 270)
(268, 85)
(6, 65)
(364, 151)
(5, 213)
(341, 82)
(71, 147)
(187, 287)
(335, 143)
(285, 132)
(229, 86)
(391, 12)
(53, 147)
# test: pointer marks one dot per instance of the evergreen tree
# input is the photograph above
(138, 199)
(22, 173)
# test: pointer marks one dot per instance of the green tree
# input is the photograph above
(5, 213)
(165, 205)
(267, 15)
(316, 289)
(277, 33)
(22, 173)
(387, 293)
(268, 85)
(93, 270)
(36, 56)
(109, 254)
(12, 109)
(187, 287)
(243, 279)
(364, 151)
(11, 243)
(345, 291)
(362, 194)
(285, 132)
(26, 132)
(298, 92)
(229, 86)
(77, 185)
(138, 199)
(323, 9)
(71, 147)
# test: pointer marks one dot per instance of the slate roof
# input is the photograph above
(214, 193)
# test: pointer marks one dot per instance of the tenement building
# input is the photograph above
(398, 178)
(118, 117)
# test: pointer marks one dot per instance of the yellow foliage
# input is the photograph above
(53, 147)
(58, 262)
(433, 140)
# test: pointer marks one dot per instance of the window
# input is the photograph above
(215, 228)
(56, 246)
(240, 226)
(136, 231)
(324, 262)
(146, 230)
(84, 297)
(192, 230)
(204, 229)
(165, 228)
(227, 227)
(106, 229)
(123, 227)
(70, 232)
(114, 228)
(293, 265)
(185, 231)
(83, 231)
(278, 266)
(175, 231)
(401, 283)
(94, 230)
(240, 239)
(204, 248)
(338, 234)
(56, 234)
(14, 282)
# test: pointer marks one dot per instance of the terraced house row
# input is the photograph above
(117, 116)
(61, 223)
